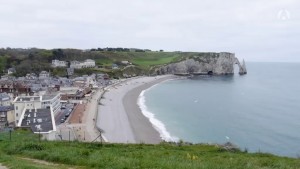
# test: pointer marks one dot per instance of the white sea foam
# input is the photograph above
(158, 125)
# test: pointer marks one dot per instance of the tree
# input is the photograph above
(31, 56)
(58, 54)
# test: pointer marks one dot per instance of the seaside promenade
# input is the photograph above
(82, 123)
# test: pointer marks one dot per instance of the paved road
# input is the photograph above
(90, 117)
(84, 130)
(59, 116)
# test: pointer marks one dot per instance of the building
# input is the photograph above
(68, 93)
(7, 116)
(52, 100)
(125, 62)
(23, 103)
(44, 75)
(40, 121)
(114, 66)
(11, 71)
(89, 63)
(75, 64)
(4, 99)
(58, 63)
(31, 76)
(70, 71)
(15, 87)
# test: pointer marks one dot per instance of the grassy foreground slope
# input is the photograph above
(15, 154)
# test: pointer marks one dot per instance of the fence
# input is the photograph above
(18, 134)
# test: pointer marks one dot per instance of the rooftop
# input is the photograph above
(4, 97)
(38, 120)
(6, 108)
(27, 98)
(48, 97)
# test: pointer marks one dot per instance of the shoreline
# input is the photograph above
(144, 130)
(120, 115)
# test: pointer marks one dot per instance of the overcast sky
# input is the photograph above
(257, 30)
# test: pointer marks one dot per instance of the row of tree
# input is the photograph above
(120, 49)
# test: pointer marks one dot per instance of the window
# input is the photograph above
(16, 107)
(17, 114)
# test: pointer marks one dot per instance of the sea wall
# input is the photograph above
(213, 63)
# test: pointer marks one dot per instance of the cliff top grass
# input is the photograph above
(24, 148)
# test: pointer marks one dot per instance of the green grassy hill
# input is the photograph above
(24, 148)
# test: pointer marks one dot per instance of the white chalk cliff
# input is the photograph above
(210, 63)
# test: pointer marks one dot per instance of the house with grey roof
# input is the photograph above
(5, 99)
(7, 116)
(44, 75)
(23, 103)
(40, 121)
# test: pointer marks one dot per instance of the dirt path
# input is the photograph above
(40, 161)
(2, 167)
(47, 164)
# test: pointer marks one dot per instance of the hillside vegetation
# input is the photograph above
(24, 147)
(35, 60)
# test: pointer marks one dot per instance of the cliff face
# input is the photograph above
(214, 63)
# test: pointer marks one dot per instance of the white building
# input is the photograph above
(44, 75)
(58, 63)
(89, 63)
(24, 103)
(53, 101)
(11, 71)
(125, 62)
(75, 64)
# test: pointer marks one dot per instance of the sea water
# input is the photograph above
(259, 111)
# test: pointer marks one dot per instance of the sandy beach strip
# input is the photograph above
(121, 118)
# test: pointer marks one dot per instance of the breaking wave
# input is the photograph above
(157, 124)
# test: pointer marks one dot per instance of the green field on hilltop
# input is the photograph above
(148, 59)
(24, 148)
(142, 59)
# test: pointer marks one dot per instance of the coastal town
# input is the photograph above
(57, 108)
(67, 107)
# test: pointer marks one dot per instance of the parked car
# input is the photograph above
(68, 114)
(62, 120)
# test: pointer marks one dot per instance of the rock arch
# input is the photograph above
(242, 67)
